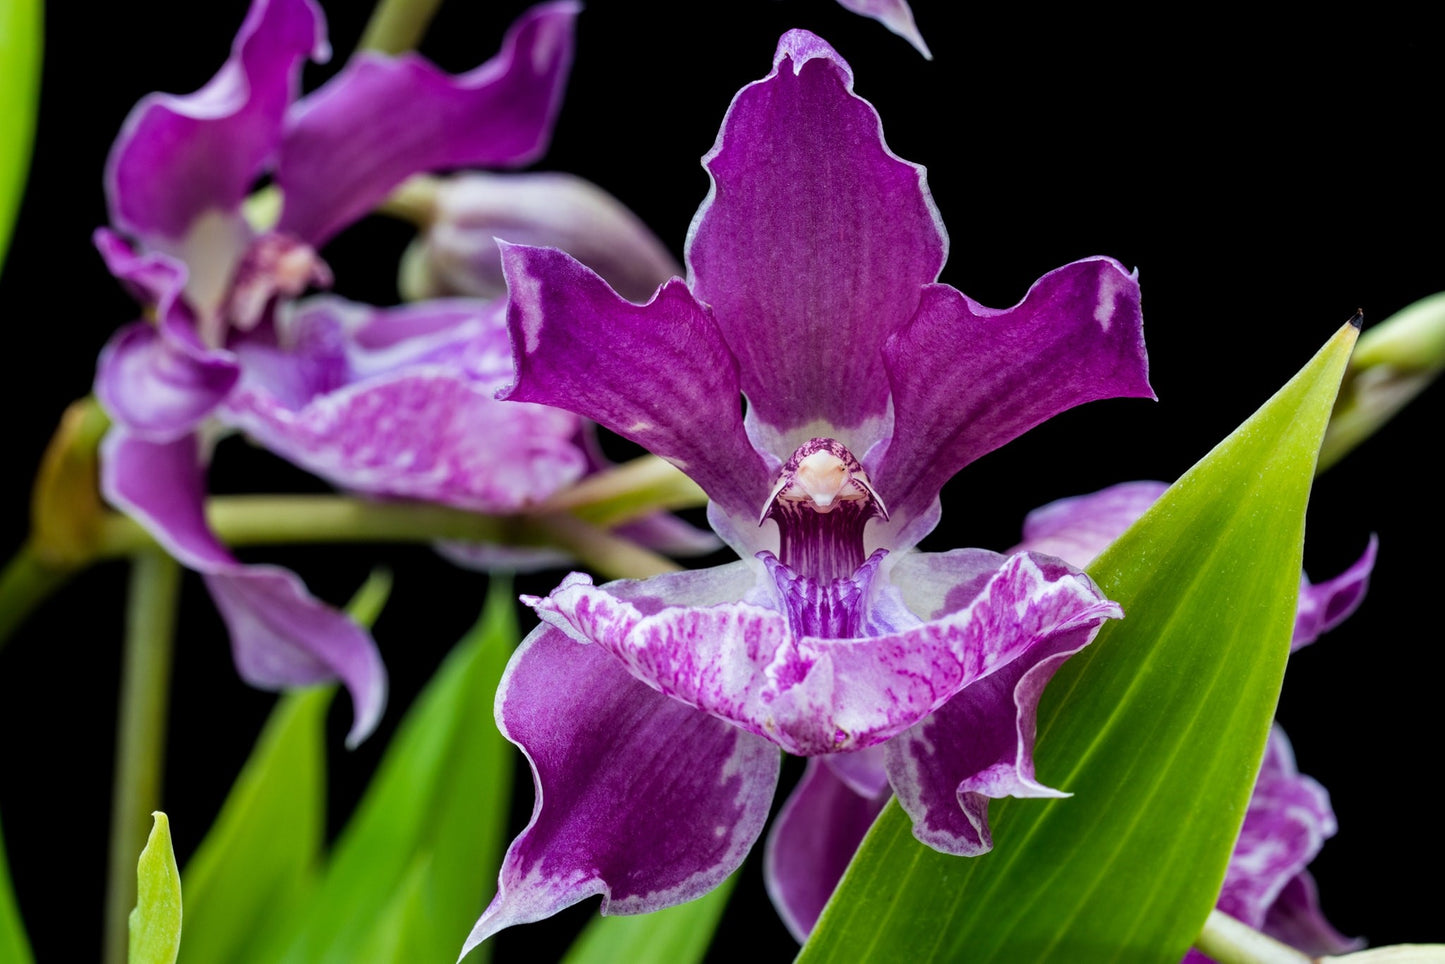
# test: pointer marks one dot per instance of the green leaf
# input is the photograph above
(678, 935)
(263, 854)
(20, 46)
(155, 924)
(14, 946)
(1157, 729)
(419, 857)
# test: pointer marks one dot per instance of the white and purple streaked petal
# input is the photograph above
(810, 266)
(457, 254)
(658, 374)
(811, 842)
(1323, 606)
(158, 387)
(978, 746)
(740, 661)
(180, 156)
(280, 634)
(1077, 336)
(640, 799)
(1078, 528)
(896, 15)
(383, 119)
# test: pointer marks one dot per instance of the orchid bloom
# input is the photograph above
(393, 402)
(1289, 815)
(652, 712)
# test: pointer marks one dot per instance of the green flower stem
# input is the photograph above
(398, 25)
(140, 732)
(24, 583)
(1229, 941)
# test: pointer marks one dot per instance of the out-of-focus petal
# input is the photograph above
(413, 417)
(1325, 605)
(1078, 528)
(1076, 336)
(658, 374)
(457, 254)
(280, 634)
(812, 248)
(179, 156)
(640, 798)
(159, 387)
(383, 119)
(740, 662)
(896, 15)
(811, 842)
(1296, 919)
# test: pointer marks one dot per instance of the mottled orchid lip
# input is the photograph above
(819, 475)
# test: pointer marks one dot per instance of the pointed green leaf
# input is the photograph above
(678, 935)
(263, 854)
(1157, 729)
(439, 801)
(14, 946)
(20, 46)
(155, 924)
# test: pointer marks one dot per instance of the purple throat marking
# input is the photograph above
(821, 502)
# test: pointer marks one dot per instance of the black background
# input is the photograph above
(1266, 178)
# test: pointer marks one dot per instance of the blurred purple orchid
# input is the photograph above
(393, 402)
(652, 712)
(1288, 818)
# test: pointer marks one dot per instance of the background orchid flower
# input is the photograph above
(391, 402)
(896, 15)
(652, 712)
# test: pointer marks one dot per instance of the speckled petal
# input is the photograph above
(179, 156)
(811, 842)
(1325, 605)
(280, 634)
(360, 404)
(738, 661)
(895, 15)
(1076, 336)
(383, 119)
(640, 798)
(812, 247)
(658, 374)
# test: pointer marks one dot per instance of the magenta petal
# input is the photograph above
(812, 840)
(658, 374)
(1077, 336)
(739, 661)
(640, 798)
(1296, 919)
(415, 416)
(158, 388)
(178, 156)
(895, 15)
(280, 634)
(813, 245)
(383, 119)
(1077, 529)
(1325, 605)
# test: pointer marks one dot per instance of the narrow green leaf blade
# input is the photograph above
(1157, 729)
(155, 924)
(263, 854)
(20, 47)
(440, 797)
(678, 935)
(14, 945)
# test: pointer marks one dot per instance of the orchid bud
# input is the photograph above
(457, 255)
(1393, 362)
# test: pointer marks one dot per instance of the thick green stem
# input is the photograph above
(140, 732)
(25, 582)
(398, 25)
(1230, 941)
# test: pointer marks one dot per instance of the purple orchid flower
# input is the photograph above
(652, 712)
(896, 15)
(340, 389)
(1289, 815)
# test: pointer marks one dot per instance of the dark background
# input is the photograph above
(1265, 181)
